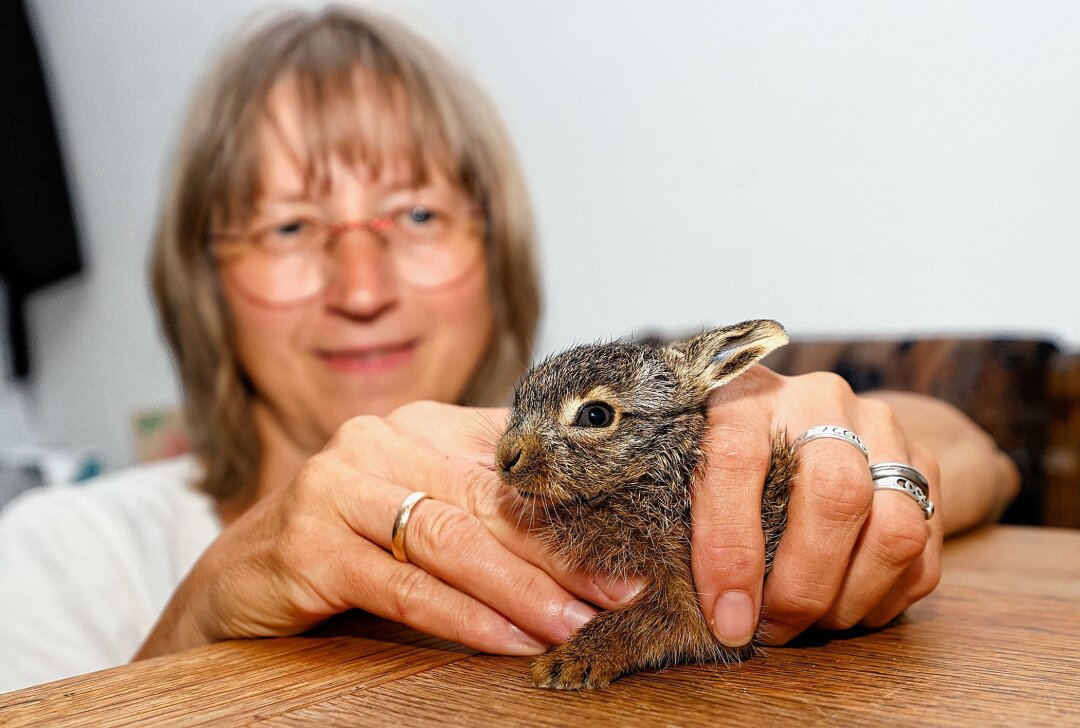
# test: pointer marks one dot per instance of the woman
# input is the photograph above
(347, 234)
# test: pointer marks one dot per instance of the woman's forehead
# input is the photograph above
(284, 171)
(364, 129)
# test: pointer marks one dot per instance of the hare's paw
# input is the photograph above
(568, 668)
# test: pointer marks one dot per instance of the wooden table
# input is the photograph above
(997, 644)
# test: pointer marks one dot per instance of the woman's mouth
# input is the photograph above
(370, 360)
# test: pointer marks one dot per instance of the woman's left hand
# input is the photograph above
(850, 555)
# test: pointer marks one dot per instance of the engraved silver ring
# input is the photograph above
(898, 476)
(835, 432)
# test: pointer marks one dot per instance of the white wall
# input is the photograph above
(845, 167)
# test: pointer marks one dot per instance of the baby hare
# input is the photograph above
(602, 446)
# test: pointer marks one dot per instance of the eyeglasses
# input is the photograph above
(287, 262)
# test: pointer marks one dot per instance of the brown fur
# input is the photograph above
(615, 499)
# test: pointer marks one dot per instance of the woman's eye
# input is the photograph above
(421, 221)
(595, 414)
(287, 236)
(419, 215)
(290, 228)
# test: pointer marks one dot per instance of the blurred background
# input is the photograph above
(848, 168)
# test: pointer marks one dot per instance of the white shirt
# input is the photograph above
(86, 569)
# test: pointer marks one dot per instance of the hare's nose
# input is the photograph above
(511, 460)
(511, 455)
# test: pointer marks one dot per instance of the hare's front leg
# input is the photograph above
(645, 634)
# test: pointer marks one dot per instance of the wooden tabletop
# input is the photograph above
(997, 644)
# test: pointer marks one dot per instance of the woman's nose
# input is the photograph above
(360, 276)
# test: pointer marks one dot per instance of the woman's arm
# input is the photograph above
(977, 479)
(321, 546)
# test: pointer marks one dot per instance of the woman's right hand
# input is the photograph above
(321, 546)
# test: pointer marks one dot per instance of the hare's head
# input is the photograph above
(595, 418)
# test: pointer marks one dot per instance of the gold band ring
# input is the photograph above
(397, 535)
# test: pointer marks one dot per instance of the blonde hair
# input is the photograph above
(449, 123)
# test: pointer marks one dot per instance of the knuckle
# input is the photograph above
(447, 529)
(737, 448)
(473, 626)
(312, 479)
(484, 497)
(930, 578)
(881, 413)
(927, 463)
(828, 383)
(295, 541)
(881, 616)
(403, 588)
(531, 590)
(844, 490)
(841, 618)
(359, 429)
(800, 606)
(742, 562)
(902, 540)
(372, 426)
(415, 411)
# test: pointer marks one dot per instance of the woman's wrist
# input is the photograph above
(978, 480)
(180, 626)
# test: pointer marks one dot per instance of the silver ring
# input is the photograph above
(397, 534)
(835, 432)
(901, 470)
(895, 482)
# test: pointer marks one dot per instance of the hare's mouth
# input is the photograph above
(533, 496)
(527, 493)
(530, 487)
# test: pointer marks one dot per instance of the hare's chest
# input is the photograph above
(634, 536)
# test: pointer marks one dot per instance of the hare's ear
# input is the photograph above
(717, 356)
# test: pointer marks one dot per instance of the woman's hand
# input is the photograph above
(322, 546)
(850, 555)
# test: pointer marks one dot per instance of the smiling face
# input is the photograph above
(367, 341)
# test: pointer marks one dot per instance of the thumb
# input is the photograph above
(727, 544)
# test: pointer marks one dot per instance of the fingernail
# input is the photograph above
(576, 614)
(529, 646)
(733, 618)
(620, 591)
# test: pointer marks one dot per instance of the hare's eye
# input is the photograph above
(595, 414)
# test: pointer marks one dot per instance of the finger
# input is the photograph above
(920, 579)
(727, 543)
(372, 444)
(830, 500)
(894, 534)
(479, 491)
(923, 575)
(509, 519)
(453, 545)
(406, 593)
(468, 432)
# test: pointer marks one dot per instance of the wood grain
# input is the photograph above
(997, 644)
(233, 683)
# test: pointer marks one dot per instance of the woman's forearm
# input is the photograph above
(978, 480)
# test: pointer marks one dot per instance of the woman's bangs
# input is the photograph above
(363, 118)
